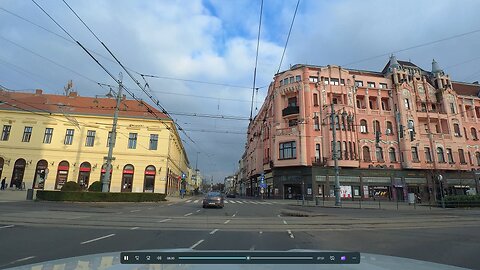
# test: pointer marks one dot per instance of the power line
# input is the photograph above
(256, 58)
(288, 36)
(194, 81)
(413, 47)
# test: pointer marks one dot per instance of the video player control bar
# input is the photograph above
(240, 257)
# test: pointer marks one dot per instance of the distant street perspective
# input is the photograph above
(40, 231)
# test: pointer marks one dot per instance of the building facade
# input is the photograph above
(47, 140)
(402, 130)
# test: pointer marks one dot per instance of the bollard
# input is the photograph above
(379, 207)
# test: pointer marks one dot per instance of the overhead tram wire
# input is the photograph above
(288, 36)
(413, 47)
(256, 59)
(156, 101)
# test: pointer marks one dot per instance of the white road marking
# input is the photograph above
(170, 204)
(189, 201)
(279, 216)
(198, 210)
(290, 233)
(285, 222)
(164, 220)
(135, 211)
(150, 208)
(260, 232)
(227, 221)
(96, 239)
(232, 201)
(214, 231)
(186, 215)
(7, 226)
(23, 259)
(234, 215)
(134, 228)
(239, 202)
(225, 201)
(196, 244)
(196, 201)
(254, 202)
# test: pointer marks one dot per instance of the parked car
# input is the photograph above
(214, 199)
(231, 195)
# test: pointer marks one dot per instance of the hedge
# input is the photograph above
(95, 186)
(71, 186)
(74, 196)
(462, 201)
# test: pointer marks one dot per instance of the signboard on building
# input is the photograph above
(346, 191)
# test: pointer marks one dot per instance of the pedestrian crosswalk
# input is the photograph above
(235, 202)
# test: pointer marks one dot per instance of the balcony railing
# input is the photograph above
(290, 110)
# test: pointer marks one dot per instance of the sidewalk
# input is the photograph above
(9, 195)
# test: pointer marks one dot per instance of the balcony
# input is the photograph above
(290, 110)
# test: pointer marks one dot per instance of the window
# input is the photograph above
(337, 122)
(474, 134)
(316, 122)
(359, 83)
(6, 132)
(335, 100)
(315, 99)
(69, 137)
(424, 107)
(285, 81)
(434, 107)
(470, 158)
(376, 126)
(27, 134)
(450, 156)
(334, 81)
(477, 155)
(313, 79)
(371, 84)
(456, 130)
(452, 107)
(366, 154)
(392, 155)
(298, 78)
(363, 126)
(383, 85)
(132, 140)
(339, 150)
(428, 155)
(288, 150)
(325, 80)
(461, 156)
(47, 138)
(440, 156)
(415, 154)
(291, 79)
(437, 128)
(407, 104)
(90, 138)
(292, 122)
(345, 150)
(342, 81)
(465, 132)
(389, 130)
(379, 152)
(317, 152)
(292, 102)
(352, 154)
(344, 122)
(153, 142)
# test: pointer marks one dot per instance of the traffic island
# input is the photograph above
(89, 196)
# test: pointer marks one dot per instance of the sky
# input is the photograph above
(215, 41)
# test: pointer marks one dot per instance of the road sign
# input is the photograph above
(262, 190)
(263, 185)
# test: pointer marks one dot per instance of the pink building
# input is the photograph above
(396, 132)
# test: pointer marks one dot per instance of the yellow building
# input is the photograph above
(47, 140)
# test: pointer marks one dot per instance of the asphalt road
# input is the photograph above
(33, 232)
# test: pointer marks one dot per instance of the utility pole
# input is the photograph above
(334, 155)
(108, 172)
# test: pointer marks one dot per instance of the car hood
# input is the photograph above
(111, 261)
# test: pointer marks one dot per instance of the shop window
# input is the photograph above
(149, 181)
(62, 174)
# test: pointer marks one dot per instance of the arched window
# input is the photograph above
(62, 174)
(18, 172)
(477, 155)
(440, 156)
(363, 126)
(376, 126)
(379, 154)
(84, 174)
(389, 130)
(149, 181)
(392, 155)
(366, 154)
(474, 133)
(127, 178)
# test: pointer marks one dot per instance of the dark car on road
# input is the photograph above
(214, 199)
(231, 195)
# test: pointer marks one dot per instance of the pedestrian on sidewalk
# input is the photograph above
(3, 183)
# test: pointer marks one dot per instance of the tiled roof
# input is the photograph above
(74, 104)
(466, 89)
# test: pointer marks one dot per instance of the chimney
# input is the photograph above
(38, 91)
(72, 94)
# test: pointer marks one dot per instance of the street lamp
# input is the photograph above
(442, 195)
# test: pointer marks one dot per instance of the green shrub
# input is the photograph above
(462, 201)
(95, 186)
(50, 195)
(71, 186)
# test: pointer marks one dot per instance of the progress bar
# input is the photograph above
(240, 257)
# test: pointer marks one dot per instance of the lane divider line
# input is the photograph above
(227, 221)
(134, 228)
(285, 222)
(164, 220)
(186, 215)
(7, 226)
(198, 210)
(214, 231)
(133, 211)
(290, 233)
(196, 244)
(96, 239)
